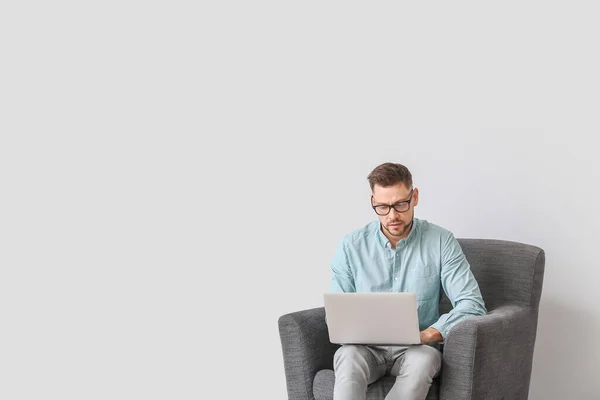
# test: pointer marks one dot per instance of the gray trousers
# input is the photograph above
(357, 366)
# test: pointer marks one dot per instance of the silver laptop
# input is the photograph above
(378, 318)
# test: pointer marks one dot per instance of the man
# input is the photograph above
(400, 253)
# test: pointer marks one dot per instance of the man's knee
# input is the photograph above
(423, 360)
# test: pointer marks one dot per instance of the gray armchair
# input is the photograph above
(487, 357)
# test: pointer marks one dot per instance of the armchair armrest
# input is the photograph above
(306, 350)
(490, 357)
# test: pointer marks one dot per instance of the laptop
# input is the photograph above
(376, 318)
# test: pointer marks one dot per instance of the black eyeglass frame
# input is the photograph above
(393, 205)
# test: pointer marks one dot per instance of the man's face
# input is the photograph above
(395, 223)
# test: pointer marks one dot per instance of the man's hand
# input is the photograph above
(431, 335)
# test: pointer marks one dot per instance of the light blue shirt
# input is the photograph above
(427, 260)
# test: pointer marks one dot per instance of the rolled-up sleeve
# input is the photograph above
(341, 275)
(460, 286)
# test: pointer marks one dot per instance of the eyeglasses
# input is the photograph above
(384, 209)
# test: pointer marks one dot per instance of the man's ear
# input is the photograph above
(415, 197)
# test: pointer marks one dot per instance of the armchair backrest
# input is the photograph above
(507, 272)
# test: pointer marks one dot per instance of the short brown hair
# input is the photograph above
(390, 174)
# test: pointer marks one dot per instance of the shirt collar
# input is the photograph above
(385, 241)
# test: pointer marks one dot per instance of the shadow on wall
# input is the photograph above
(565, 358)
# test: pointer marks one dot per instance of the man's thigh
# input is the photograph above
(360, 359)
(417, 359)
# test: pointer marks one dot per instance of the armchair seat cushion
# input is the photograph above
(325, 378)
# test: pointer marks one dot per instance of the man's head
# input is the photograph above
(393, 198)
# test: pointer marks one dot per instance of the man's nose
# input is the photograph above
(393, 213)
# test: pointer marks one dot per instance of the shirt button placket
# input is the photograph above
(396, 288)
(396, 269)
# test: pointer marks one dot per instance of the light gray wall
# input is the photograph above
(175, 177)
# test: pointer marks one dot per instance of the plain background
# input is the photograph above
(176, 175)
